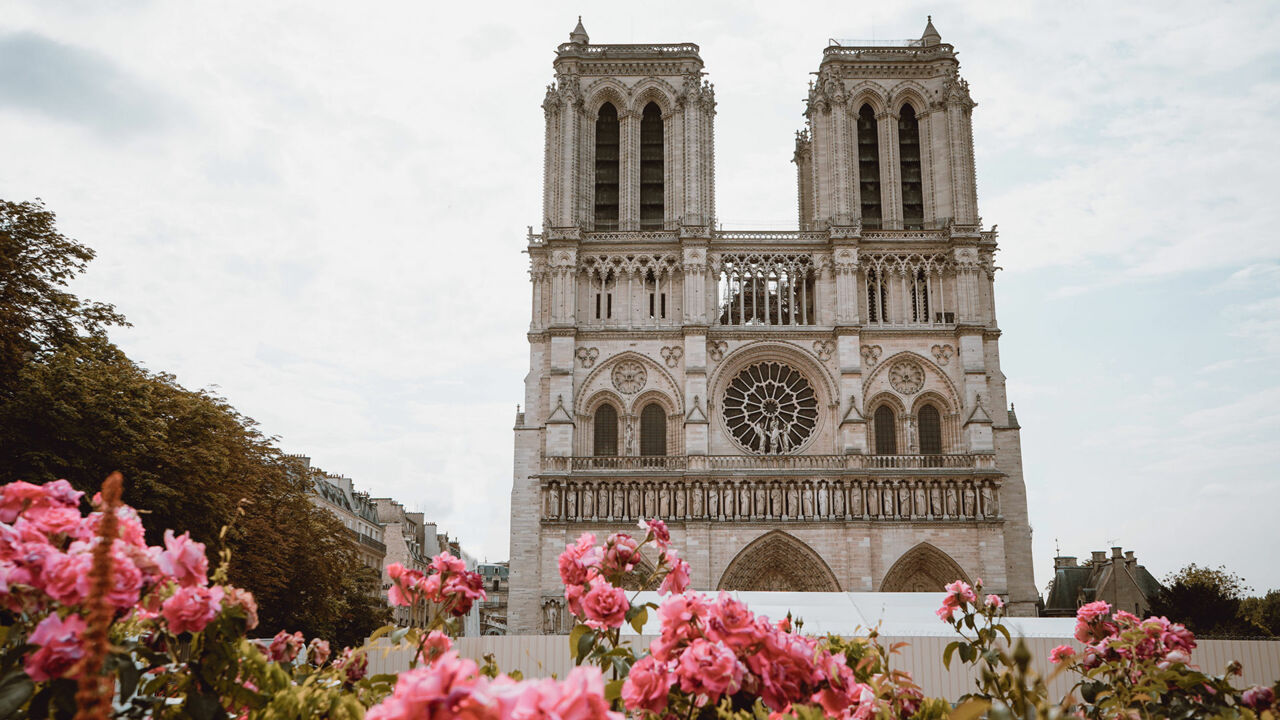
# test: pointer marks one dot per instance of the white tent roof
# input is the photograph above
(854, 613)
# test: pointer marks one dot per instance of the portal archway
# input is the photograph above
(923, 568)
(779, 562)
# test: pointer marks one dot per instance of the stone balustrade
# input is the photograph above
(676, 499)
(770, 462)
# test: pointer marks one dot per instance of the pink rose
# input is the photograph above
(54, 519)
(405, 585)
(1062, 653)
(435, 645)
(731, 623)
(190, 609)
(677, 579)
(60, 647)
(236, 597)
(659, 529)
(620, 555)
(647, 686)
(573, 598)
(353, 663)
(605, 606)
(577, 558)
(445, 563)
(463, 588)
(1093, 611)
(1258, 698)
(66, 576)
(961, 590)
(183, 559)
(434, 691)
(708, 670)
(994, 601)
(318, 652)
(579, 697)
(15, 497)
(284, 648)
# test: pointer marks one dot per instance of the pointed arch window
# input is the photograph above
(886, 432)
(911, 174)
(930, 423)
(607, 136)
(606, 431)
(877, 296)
(869, 168)
(651, 168)
(653, 430)
(920, 296)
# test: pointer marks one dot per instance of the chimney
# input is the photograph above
(1115, 553)
(1129, 560)
(1099, 556)
(1064, 561)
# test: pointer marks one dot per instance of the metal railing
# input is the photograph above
(769, 462)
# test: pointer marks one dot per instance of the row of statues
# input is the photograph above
(969, 499)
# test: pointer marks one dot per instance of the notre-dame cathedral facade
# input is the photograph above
(811, 410)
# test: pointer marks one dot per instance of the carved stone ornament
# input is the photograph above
(588, 355)
(716, 349)
(629, 377)
(906, 376)
(824, 349)
(943, 353)
(672, 355)
(871, 355)
(770, 408)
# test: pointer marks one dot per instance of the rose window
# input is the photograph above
(770, 408)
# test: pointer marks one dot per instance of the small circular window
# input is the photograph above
(770, 408)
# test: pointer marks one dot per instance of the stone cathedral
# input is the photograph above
(816, 410)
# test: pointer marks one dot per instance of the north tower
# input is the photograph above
(813, 410)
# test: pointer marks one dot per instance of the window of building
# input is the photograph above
(653, 430)
(912, 178)
(651, 168)
(606, 431)
(930, 423)
(606, 210)
(920, 297)
(869, 168)
(886, 433)
(877, 296)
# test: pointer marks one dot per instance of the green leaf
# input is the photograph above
(15, 690)
(575, 635)
(969, 710)
(639, 619)
(585, 642)
(1004, 631)
(946, 654)
(129, 676)
(613, 690)
(966, 653)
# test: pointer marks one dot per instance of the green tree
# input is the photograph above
(1263, 613)
(1206, 600)
(74, 406)
(37, 314)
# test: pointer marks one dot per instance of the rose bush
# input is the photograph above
(94, 618)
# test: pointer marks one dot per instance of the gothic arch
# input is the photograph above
(906, 92)
(935, 381)
(935, 398)
(656, 91)
(885, 398)
(658, 379)
(603, 91)
(923, 568)
(778, 561)
(867, 93)
(675, 420)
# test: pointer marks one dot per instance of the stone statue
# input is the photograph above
(571, 503)
(777, 507)
(588, 502)
(631, 438)
(695, 501)
(922, 502)
(806, 499)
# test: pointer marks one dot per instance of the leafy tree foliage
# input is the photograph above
(37, 315)
(77, 407)
(1263, 613)
(1206, 600)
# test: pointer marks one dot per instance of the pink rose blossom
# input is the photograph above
(446, 563)
(60, 647)
(994, 601)
(318, 652)
(731, 623)
(659, 529)
(1062, 653)
(53, 519)
(463, 589)
(620, 554)
(244, 599)
(354, 663)
(1093, 611)
(708, 670)
(284, 648)
(1258, 698)
(66, 576)
(190, 609)
(647, 686)
(435, 645)
(183, 559)
(577, 558)
(405, 585)
(605, 606)
(677, 579)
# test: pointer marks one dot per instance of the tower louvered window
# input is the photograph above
(912, 178)
(886, 433)
(869, 168)
(606, 432)
(653, 430)
(651, 168)
(930, 423)
(606, 210)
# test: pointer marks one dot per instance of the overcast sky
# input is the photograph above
(318, 210)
